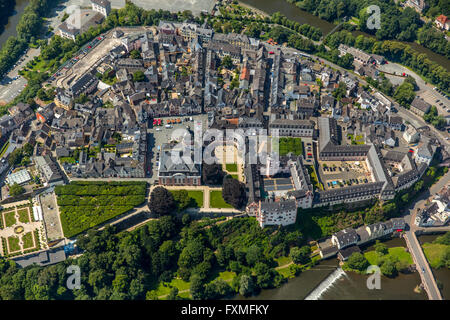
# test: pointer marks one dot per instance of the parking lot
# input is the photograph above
(160, 134)
(336, 174)
(435, 99)
(12, 83)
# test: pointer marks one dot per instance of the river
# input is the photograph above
(292, 12)
(325, 282)
(10, 28)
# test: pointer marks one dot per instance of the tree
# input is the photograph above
(233, 192)
(404, 94)
(381, 248)
(212, 174)
(388, 268)
(227, 62)
(135, 54)
(341, 91)
(254, 254)
(300, 256)
(357, 261)
(197, 287)
(16, 190)
(182, 199)
(138, 76)
(162, 201)
(173, 295)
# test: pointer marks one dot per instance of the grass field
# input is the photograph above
(231, 167)
(10, 218)
(227, 275)
(285, 272)
(27, 239)
(195, 195)
(434, 252)
(282, 261)
(13, 243)
(23, 215)
(396, 252)
(293, 145)
(216, 200)
(165, 287)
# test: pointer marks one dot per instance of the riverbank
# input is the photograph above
(10, 27)
(326, 281)
(292, 12)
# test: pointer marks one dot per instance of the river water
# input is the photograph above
(10, 28)
(326, 281)
(292, 12)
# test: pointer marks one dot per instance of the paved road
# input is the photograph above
(422, 266)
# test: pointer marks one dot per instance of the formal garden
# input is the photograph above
(84, 205)
(19, 233)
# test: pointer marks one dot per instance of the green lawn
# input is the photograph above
(67, 160)
(434, 252)
(396, 252)
(195, 195)
(4, 148)
(227, 275)
(10, 218)
(231, 167)
(165, 287)
(293, 145)
(235, 176)
(28, 240)
(13, 243)
(285, 272)
(359, 139)
(216, 200)
(314, 178)
(283, 261)
(23, 215)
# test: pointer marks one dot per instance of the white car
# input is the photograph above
(158, 129)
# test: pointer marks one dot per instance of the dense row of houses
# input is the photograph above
(347, 241)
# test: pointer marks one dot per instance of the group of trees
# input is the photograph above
(396, 24)
(21, 156)
(395, 51)
(28, 28)
(131, 265)
(16, 190)
(435, 119)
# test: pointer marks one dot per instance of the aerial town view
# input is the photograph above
(224, 150)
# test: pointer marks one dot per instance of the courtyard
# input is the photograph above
(337, 174)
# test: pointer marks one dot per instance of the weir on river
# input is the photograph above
(326, 284)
